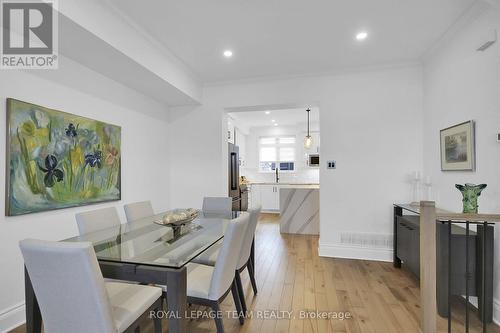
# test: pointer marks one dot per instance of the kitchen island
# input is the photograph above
(299, 209)
(297, 204)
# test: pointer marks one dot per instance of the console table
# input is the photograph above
(455, 272)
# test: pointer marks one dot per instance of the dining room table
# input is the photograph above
(149, 252)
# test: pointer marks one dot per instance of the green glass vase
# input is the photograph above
(470, 193)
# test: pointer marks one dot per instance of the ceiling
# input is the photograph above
(288, 117)
(291, 37)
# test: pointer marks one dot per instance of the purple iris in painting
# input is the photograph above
(94, 159)
(71, 131)
(52, 174)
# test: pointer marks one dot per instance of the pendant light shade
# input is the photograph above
(308, 141)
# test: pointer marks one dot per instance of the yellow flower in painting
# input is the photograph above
(27, 128)
(76, 157)
(38, 138)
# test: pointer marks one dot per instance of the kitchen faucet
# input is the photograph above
(277, 174)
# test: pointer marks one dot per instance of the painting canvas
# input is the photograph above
(457, 147)
(57, 160)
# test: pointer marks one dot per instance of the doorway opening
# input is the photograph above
(274, 156)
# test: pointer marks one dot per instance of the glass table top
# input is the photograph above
(144, 242)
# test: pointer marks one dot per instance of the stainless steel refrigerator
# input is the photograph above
(234, 176)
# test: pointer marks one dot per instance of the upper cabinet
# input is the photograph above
(240, 141)
(230, 132)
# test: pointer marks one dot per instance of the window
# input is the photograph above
(276, 151)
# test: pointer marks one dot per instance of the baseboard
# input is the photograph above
(12, 318)
(355, 252)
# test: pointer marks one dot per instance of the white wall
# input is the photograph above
(144, 164)
(462, 84)
(371, 124)
(301, 174)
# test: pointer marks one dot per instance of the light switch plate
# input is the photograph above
(331, 165)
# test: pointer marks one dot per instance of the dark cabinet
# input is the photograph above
(408, 244)
(407, 253)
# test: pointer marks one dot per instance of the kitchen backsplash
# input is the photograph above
(306, 176)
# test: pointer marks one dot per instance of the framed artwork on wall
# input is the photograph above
(58, 160)
(458, 151)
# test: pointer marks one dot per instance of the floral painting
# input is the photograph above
(58, 160)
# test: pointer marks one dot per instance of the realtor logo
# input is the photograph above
(29, 34)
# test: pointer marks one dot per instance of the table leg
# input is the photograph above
(177, 300)
(398, 211)
(33, 316)
(252, 254)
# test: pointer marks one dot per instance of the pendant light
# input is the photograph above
(308, 141)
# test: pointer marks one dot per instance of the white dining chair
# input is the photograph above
(211, 256)
(217, 204)
(138, 210)
(73, 296)
(98, 219)
(209, 285)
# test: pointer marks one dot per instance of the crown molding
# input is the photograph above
(470, 14)
(328, 73)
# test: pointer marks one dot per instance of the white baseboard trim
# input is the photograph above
(12, 318)
(355, 252)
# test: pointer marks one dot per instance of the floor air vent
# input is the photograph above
(366, 239)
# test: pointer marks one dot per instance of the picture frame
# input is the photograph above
(57, 160)
(457, 146)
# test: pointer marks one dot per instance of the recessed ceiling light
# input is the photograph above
(361, 35)
(272, 120)
(228, 53)
(275, 124)
(268, 112)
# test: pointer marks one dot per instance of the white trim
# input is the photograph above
(12, 317)
(476, 9)
(355, 252)
(322, 74)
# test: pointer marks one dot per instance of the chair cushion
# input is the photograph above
(209, 257)
(129, 302)
(199, 278)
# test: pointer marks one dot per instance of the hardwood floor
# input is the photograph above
(292, 277)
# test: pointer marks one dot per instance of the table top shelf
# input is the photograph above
(144, 242)
(444, 215)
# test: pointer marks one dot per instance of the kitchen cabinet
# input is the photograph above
(265, 195)
(230, 132)
(240, 141)
(270, 197)
(254, 196)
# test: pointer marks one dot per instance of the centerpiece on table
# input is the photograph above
(178, 217)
